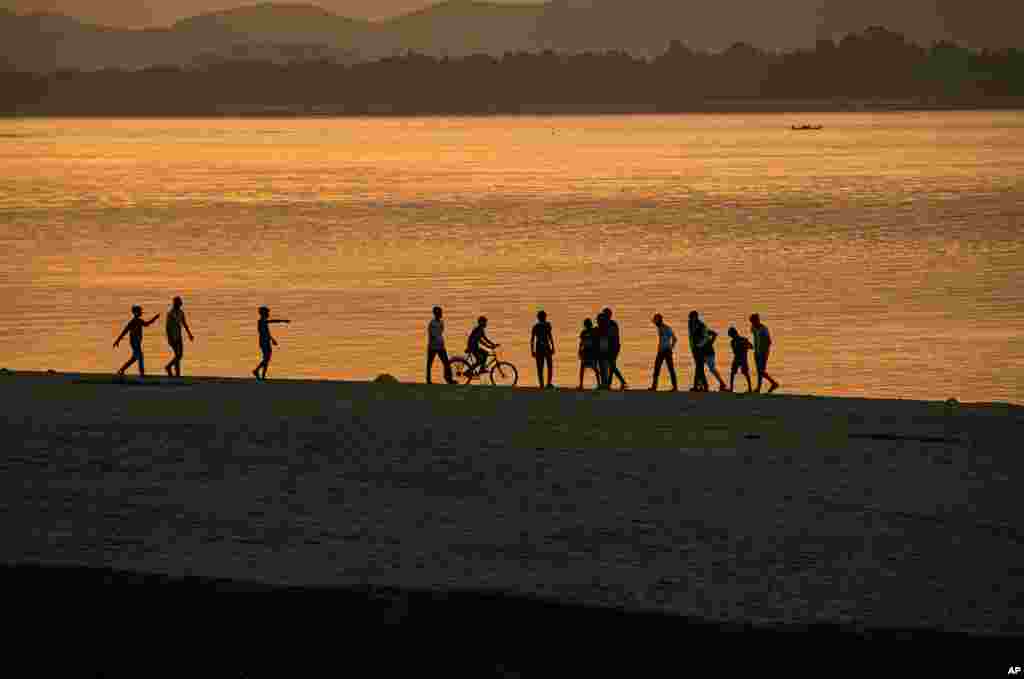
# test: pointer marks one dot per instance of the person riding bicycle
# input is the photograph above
(477, 338)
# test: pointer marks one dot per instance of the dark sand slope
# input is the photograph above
(771, 510)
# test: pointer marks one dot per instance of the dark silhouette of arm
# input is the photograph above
(187, 329)
(279, 320)
(533, 341)
(123, 333)
(151, 321)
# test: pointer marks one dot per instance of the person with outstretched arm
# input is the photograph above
(666, 344)
(542, 348)
(134, 331)
(435, 347)
(267, 341)
(762, 349)
(175, 322)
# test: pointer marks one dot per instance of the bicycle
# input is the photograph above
(502, 373)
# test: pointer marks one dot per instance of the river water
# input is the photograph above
(884, 251)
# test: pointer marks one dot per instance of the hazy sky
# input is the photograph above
(136, 13)
(978, 22)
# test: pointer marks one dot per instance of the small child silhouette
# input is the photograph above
(267, 341)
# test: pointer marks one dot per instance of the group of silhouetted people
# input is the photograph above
(600, 343)
(175, 323)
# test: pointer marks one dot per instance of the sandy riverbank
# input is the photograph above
(780, 510)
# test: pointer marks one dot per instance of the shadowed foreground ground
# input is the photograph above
(840, 518)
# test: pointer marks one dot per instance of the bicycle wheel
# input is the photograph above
(460, 370)
(504, 374)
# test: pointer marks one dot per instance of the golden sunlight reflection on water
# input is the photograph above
(884, 252)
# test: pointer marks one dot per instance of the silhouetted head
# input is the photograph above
(607, 312)
(732, 332)
(755, 320)
(587, 323)
(136, 310)
(542, 316)
(694, 315)
(177, 302)
(657, 319)
(264, 311)
(482, 321)
(437, 312)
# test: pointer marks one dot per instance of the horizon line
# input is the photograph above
(518, 4)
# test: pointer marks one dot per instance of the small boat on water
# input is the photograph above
(806, 127)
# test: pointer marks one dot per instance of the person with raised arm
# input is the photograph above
(134, 331)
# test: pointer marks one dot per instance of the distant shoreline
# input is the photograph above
(719, 106)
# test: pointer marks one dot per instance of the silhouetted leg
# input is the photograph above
(671, 370)
(447, 366)
(700, 379)
(179, 353)
(658, 360)
(540, 368)
(614, 364)
(127, 365)
(142, 364)
(761, 362)
(710, 361)
(430, 363)
(549, 359)
(264, 364)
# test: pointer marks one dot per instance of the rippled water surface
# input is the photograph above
(884, 252)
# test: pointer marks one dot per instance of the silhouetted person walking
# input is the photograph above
(134, 331)
(588, 351)
(666, 344)
(615, 346)
(762, 349)
(542, 347)
(267, 342)
(435, 347)
(695, 331)
(604, 349)
(175, 322)
(706, 346)
(741, 346)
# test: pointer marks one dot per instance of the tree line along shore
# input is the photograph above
(874, 68)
